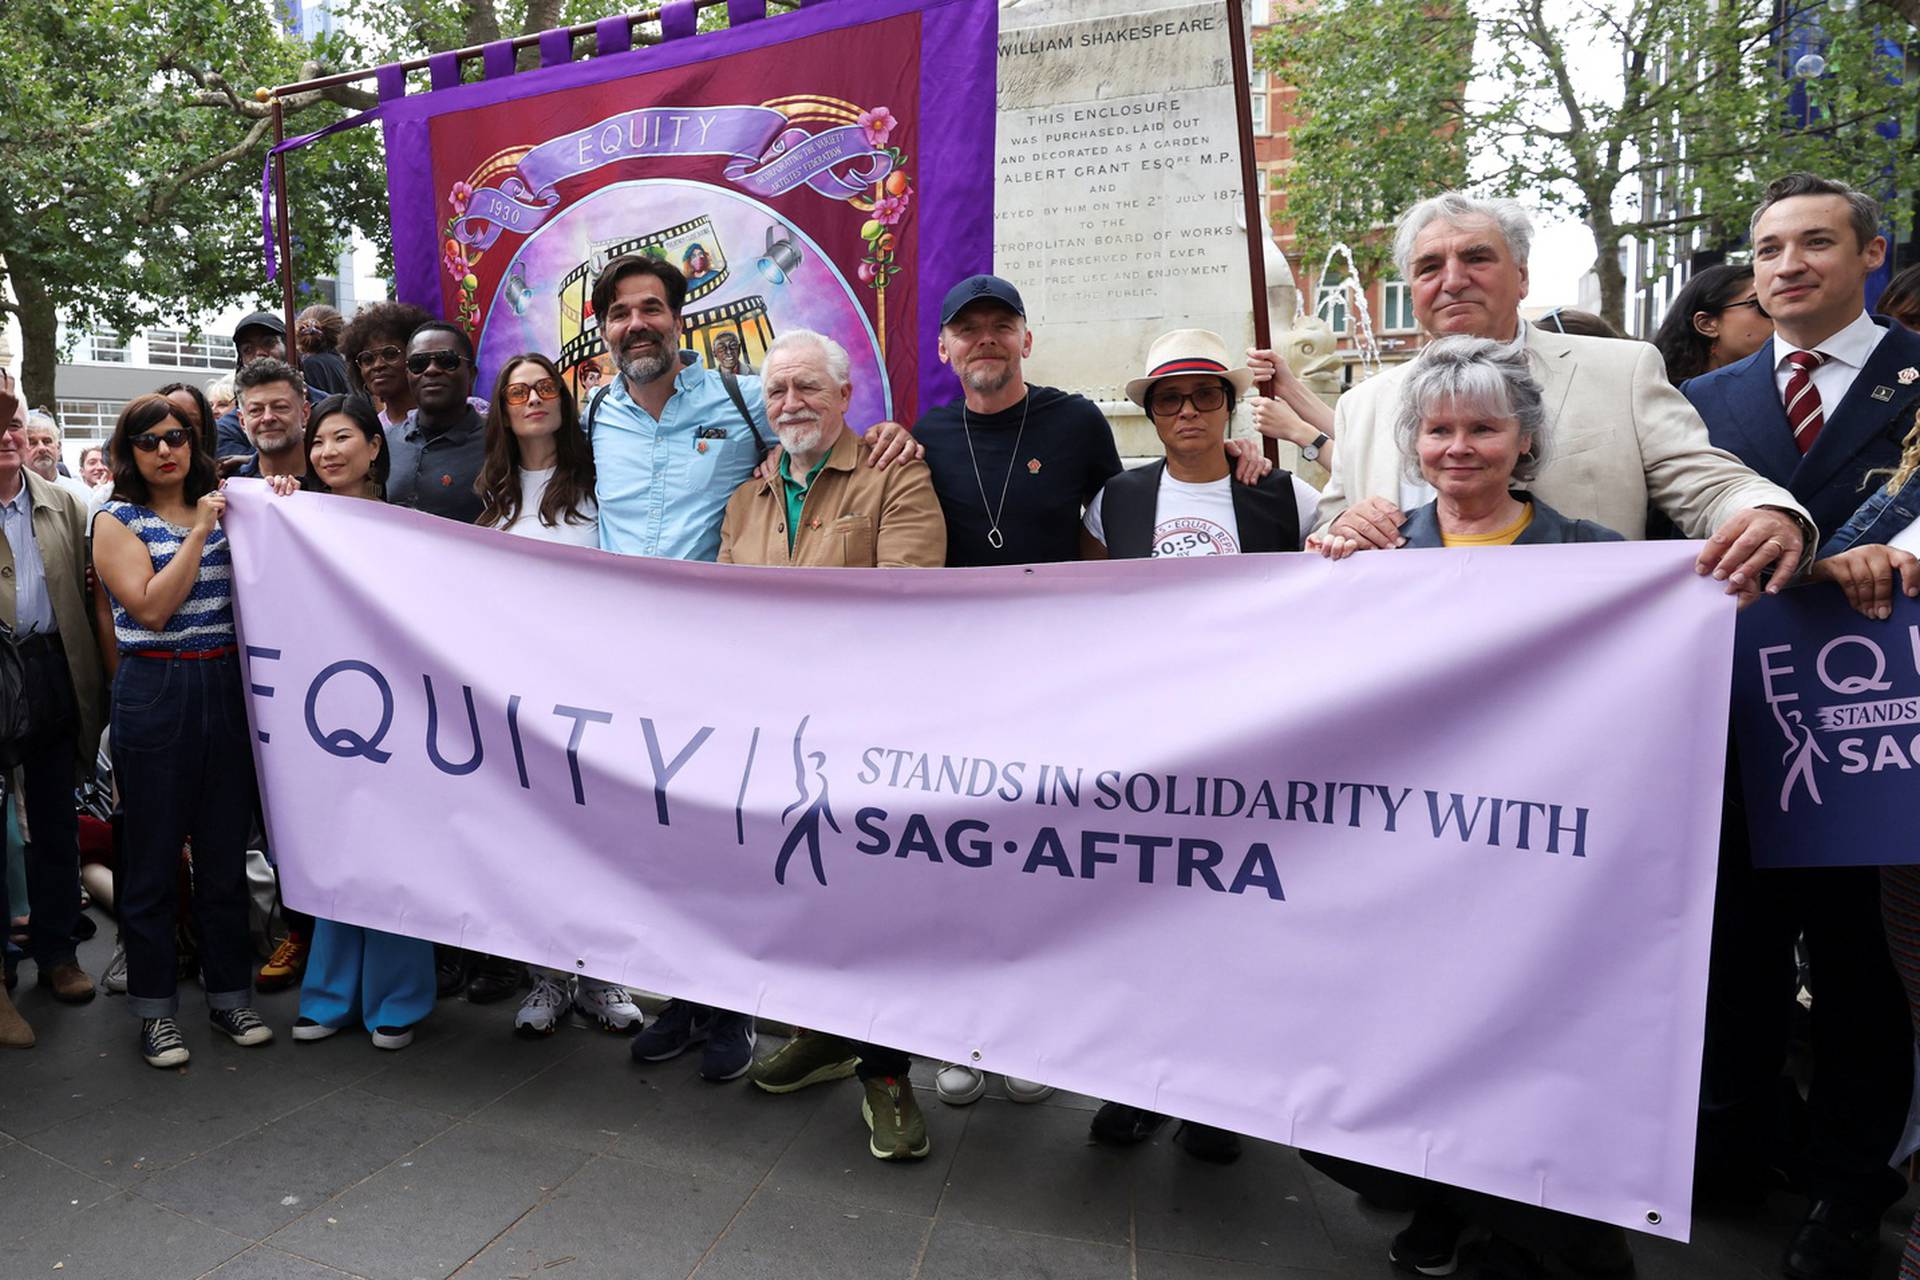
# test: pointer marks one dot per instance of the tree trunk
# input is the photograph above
(39, 337)
(1606, 265)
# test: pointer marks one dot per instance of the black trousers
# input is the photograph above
(48, 759)
(184, 760)
(1862, 1077)
(1547, 1232)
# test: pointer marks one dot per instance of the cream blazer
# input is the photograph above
(1619, 436)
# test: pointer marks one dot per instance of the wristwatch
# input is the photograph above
(1311, 452)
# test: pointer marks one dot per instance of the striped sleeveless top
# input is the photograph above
(204, 619)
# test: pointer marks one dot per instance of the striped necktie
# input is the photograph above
(1802, 398)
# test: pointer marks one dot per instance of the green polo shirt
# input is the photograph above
(796, 493)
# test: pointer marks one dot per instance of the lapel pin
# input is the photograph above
(1883, 393)
(701, 445)
(1909, 375)
(1033, 466)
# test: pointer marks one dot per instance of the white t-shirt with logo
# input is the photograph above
(1198, 520)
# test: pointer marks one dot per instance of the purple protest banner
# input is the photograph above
(1439, 904)
(802, 170)
(1826, 717)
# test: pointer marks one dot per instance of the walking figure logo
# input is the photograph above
(810, 789)
(1801, 755)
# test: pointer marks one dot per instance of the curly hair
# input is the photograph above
(377, 324)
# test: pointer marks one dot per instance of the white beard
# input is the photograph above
(802, 436)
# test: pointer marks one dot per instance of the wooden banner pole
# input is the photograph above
(1253, 203)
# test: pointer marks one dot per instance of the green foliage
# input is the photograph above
(1379, 85)
(136, 151)
(1691, 114)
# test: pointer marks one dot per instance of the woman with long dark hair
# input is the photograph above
(1715, 320)
(384, 979)
(537, 482)
(1900, 300)
(347, 448)
(182, 755)
(537, 479)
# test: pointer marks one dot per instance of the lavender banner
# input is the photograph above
(1441, 907)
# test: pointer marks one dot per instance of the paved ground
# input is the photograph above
(479, 1155)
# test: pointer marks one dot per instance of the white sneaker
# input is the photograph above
(609, 1005)
(959, 1086)
(545, 1005)
(1026, 1090)
(114, 980)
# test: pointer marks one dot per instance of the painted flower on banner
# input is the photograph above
(877, 125)
(460, 198)
(886, 209)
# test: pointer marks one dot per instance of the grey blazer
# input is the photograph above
(1422, 528)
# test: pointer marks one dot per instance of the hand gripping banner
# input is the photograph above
(809, 170)
(1439, 904)
(1827, 727)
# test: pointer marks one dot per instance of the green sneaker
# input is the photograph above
(899, 1130)
(812, 1057)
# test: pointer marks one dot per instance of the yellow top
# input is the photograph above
(1499, 538)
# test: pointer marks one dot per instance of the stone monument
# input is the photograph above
(1119, 189)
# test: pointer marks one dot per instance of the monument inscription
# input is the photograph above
(1119, 183)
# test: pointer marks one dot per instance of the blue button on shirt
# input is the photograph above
(32, 606)
(662, 487)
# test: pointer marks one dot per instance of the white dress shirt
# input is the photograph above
(1846, 352)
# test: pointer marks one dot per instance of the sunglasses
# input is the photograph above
(520, 392)
(1166, 404)
(147, 442)
(379, 355)
(445, 361)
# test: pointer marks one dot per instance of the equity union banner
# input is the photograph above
(1827, 722)
(803, 170)
(1442, 905)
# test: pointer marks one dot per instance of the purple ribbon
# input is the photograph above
(765, 155)
(268, 249)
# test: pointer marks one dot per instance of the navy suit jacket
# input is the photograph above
(1863, 432)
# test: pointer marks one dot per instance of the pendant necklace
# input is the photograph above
(994, 539)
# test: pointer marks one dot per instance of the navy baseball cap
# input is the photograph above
(974, 289)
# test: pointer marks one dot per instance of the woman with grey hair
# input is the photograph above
(1472, 425)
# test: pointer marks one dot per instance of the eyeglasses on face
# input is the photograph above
(519, 392)
(388, 354)
(1753, 302)
(148, 441)
(1166, 404)
(445, 361)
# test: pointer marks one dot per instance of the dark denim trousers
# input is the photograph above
(184, 763)
(48, 760)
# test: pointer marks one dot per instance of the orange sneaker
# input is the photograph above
(286, 966)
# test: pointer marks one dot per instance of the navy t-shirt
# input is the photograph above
(1064, 455)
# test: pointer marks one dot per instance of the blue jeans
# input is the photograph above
(184, 763)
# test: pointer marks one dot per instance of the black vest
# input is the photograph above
(1265, 512)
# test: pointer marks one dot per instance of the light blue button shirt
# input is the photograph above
(32, 606)
(662, 487)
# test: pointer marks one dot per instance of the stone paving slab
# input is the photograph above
(480, 1155)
